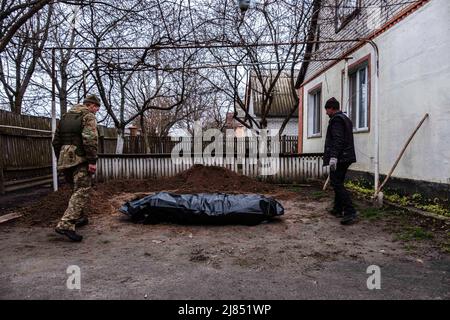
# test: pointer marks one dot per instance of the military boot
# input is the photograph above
(81, 222)
(72, 235)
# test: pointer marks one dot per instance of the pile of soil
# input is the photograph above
(197, 179)
(45, 211)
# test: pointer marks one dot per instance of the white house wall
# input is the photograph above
(291, 128)
(414, 80)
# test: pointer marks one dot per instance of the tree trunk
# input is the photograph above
(144, 134)
(120, 141)
(63, 93)
(62, 103)
(310, 38)
(17, 108)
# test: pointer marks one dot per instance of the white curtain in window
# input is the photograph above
(362, 119)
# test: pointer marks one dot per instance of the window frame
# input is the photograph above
(339, 25)
(355, 68)
(364, 61)
(310, 112)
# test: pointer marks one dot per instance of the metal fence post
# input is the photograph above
(54, 165)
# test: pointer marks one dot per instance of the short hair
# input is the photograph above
(332, 104)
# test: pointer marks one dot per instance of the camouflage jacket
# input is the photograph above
(70, 155)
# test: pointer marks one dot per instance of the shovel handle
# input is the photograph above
(326, 183)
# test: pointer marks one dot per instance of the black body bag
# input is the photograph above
(203, 208)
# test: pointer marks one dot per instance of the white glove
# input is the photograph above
(333, 164)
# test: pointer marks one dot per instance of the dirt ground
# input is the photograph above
(306, 254)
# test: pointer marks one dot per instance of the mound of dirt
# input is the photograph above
(217, 179)
(45, 211)
(197, 179)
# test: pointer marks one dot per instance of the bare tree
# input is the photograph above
(14, 14)
(266, 42)
(205, 104)
(118, 74)
(68, 77)
(18, 61)
(194, 61)
(308, 55)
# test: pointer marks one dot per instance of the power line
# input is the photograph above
(206, 66)
(209, 45)
(361, 6)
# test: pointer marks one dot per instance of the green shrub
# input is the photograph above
(434, 208)
(417, 200)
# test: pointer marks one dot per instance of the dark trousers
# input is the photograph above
(342, 200)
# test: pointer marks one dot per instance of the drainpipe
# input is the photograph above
(345, 99)
(54, 165)
(376, 116)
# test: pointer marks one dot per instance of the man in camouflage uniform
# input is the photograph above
(75, 144)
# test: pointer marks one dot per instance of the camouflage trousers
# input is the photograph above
(81, 182)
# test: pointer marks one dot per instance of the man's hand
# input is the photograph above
(333, 164)
(92, 168)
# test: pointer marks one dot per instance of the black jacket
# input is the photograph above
(339, 141)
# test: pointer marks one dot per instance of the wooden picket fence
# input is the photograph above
(26, 150)
(25, 146)
(161, 145)
(290, 168)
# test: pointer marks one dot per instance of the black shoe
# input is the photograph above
(81, 222)
(349, 219)
(336, 213)
(72, 235)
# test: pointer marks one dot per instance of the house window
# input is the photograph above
(346, 10)
(314, 113)
(359, 97)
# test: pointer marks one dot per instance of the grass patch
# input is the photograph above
(414, 233)
(318, 195)
(294, 189)
(371, 213)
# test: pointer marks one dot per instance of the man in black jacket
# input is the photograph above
(339, 154)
